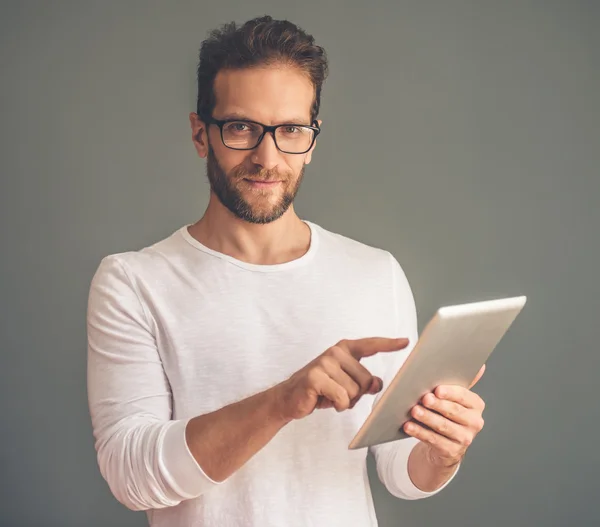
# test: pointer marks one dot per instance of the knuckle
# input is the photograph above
(354, 391)
(364, 382)
(458, 410)
(336, 351)
(451, 411)
(313, 376)
(443, 427)
(481, 424)
(343, 402)
(467, 440)
(327, 362)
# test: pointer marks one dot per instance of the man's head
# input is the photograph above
(265, 72)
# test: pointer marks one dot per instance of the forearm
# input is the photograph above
(424, 474)
(224, 440)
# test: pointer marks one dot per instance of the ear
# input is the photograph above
(199, 134)
(308, 157)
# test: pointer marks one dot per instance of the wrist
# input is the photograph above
(277, 404)
(426, 471)
(439, 461)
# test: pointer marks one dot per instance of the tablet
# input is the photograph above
(452, 348)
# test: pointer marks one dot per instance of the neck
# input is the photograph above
(283, 240)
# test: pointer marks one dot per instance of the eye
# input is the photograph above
(290, 130)
(239, 127)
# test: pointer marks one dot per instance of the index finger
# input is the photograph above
(366, 347)
(460, 395)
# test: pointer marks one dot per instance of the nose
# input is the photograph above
(266, 154)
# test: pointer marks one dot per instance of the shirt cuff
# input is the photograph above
(392, 466)
(179, 466)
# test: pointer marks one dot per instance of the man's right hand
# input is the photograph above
(335, 378)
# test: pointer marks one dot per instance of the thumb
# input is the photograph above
(477, 377)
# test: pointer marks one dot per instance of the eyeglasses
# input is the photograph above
(243, 134)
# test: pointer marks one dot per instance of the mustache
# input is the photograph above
(259, 175)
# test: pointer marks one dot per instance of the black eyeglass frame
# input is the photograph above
(266, 129)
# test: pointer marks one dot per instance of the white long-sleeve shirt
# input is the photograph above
(177, 330)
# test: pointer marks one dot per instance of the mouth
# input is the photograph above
(257, 183)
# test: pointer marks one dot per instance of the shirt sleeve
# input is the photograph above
(142, 453)
(392, 458)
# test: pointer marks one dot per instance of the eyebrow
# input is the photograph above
(241, 117)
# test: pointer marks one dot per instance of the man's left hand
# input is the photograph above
(452, 418)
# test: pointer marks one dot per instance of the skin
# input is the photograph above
(263, 228)
(271, 96)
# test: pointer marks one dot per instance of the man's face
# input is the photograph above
(257, 185)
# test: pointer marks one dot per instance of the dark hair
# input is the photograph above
(258, 42)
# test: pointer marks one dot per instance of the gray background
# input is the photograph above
(461, 136)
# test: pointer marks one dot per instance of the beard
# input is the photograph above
(260, 206)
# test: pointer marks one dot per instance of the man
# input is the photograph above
(230, 364)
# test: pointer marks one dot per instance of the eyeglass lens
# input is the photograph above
(243, 135)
